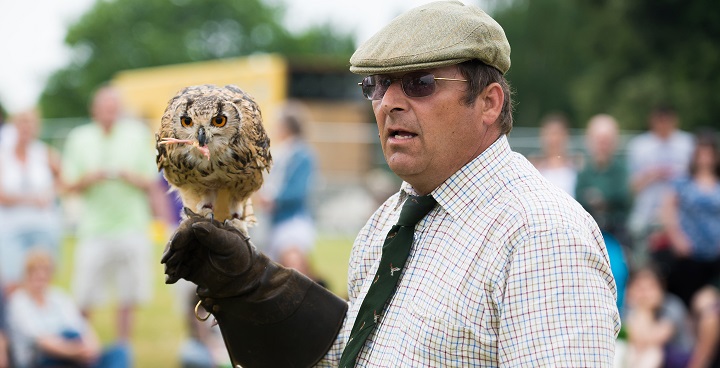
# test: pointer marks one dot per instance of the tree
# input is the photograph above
(125, 34)
(616, 56)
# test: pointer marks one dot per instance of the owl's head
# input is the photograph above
(209, 117)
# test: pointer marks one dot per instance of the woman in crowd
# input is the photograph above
(658, 333)
(288, 190)
(691, 214)
(691, 218)
(555, 162)
(46, 327)
(29, 212)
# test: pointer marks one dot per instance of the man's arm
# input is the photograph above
(559, 305)
(270, 316)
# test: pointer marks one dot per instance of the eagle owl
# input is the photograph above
(212, 148)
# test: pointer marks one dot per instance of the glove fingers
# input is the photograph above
(170, 277)
(175, 270)
(182, 240)
(175, 258)
(216, 240)
(167, 254)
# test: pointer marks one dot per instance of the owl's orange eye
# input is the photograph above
(186, 121)
(219, 121)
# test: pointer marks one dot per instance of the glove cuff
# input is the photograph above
(288, 325)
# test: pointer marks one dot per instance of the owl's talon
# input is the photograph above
(188, 213)
(238, 224)
(207, 212)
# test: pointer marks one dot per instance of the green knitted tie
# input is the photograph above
(394, 254)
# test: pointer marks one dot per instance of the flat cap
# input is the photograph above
(434, 35)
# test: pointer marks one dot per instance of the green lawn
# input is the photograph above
(159, 327)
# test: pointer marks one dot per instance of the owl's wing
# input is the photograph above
(256, 135)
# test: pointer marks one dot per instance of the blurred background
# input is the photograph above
(623, 58)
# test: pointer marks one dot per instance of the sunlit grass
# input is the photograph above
(159, 328)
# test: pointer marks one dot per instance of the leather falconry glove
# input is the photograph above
(269, 315)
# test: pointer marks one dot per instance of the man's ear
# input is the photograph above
(491, 100)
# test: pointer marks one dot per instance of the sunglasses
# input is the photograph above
(415, 84)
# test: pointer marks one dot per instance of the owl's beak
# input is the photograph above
(202, 138)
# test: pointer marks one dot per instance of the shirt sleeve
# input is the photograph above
(144, 164)
(72, 168)
(22, 322)
(559, 304)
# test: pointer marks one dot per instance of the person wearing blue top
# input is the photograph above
(691, 214)
(287, 193)
(691, 217)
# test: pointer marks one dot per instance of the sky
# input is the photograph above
(33, 33)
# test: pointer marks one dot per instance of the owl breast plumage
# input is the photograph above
(213, 149)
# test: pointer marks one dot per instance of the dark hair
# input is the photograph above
(481, 75)
(556, 117)
(293, 125)
(651, 268)
(663, 109)
(705, 138)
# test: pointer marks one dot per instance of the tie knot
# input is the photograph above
(415, 208)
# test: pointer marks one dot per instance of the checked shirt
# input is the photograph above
(506, 271)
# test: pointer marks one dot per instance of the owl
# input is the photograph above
(213, 150)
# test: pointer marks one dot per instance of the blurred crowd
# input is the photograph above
(658, 207)
(107, 168)
(656, 200)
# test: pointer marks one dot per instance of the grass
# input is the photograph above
(159, 327)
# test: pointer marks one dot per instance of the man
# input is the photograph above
(504, 270)
(655, 159)
(109, 163)
(603, 190)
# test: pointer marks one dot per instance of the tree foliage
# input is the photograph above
(126, 34)
(615, 56)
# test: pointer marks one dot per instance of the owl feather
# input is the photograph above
(213, 150)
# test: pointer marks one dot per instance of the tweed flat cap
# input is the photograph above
(434, 35)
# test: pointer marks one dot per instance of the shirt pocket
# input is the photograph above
(434, 341)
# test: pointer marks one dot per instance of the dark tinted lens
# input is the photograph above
(368, 87)
(375, 86)
(418, 84)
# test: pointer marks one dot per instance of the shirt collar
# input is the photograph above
(474, 179)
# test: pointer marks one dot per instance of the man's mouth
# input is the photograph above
(402, 134)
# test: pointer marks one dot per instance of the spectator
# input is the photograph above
(7, 131)
(691, 215)
(29, 182)
(706, 323)
(109, 163)
(656, 323)
(655, 158)
(4, 352)
(47, 329)
(555, 162)
(204, 347)
(287, 193)
(602, 189)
